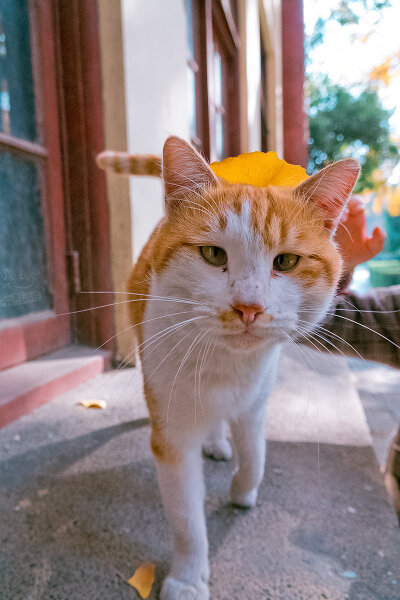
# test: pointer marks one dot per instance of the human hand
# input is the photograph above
(352, 238)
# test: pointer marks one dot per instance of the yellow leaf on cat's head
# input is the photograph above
(259, 169)
(93, 403)
(142, 579)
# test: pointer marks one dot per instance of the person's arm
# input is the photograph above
(360, 326)
(364, 326)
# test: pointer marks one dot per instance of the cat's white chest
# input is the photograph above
(193, 378)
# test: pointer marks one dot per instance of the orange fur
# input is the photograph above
(303, 233)
(282, 216)
(130, 164)
(220, 246)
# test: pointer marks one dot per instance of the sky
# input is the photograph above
(347, 60)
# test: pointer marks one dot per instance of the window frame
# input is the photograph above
(214, 20)
(28, 336)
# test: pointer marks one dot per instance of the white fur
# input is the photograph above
(198, 390)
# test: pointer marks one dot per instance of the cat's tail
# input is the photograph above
(130, 164)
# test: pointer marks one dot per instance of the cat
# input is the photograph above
(229, 275)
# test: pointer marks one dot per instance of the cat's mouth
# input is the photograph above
(251, 337)
(244, 338)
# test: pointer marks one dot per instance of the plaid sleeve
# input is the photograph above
(366, 326)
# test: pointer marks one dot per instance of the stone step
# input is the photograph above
(30, 384)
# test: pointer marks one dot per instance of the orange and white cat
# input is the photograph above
(228, 276)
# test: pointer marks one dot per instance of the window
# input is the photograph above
(192, 69)
(213, 82)
(264, 95)
(24, 285)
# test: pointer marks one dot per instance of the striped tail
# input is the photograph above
(130, 164)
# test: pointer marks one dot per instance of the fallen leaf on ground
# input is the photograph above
(142, 579)
(93, 403)
(23, 504)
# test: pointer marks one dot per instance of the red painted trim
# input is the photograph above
(49, 117)
(295, 124)
(31, 336)
(35, 334)
(9, 143)
(26, 402)
(87, 214)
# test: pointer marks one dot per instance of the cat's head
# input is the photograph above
(260, 261)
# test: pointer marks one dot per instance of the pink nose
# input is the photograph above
(248, 312)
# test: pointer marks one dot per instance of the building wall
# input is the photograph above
(264, 16)
(157, 92)
(144, 62)
(271, 27)
(157, 95)
(112, 64)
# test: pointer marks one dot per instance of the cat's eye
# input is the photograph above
(285, 262)
(214, 255)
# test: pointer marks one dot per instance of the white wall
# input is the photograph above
(253, 67)
(155, 53)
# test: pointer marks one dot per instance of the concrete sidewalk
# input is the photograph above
(79, 502)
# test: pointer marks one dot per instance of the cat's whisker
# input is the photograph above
(323, 349)
(317, 416)
(170, 352)
(300, 356)
(164, 335)
(184, 312)
(306, 335)
(151, 340)
(335, 335)
(203, 362)
(341, 224)
(197, 381)
(145, 296)
(358, 310)
(191, 201)
(73, 312)
(365, 327)
(183, 361)
(197, 185)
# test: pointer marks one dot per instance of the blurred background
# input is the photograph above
(352, 102)
(313, 81)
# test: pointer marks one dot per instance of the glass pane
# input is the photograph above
(219, 137)
(189, 27)
(218, 106)
(17, 105)
(23, 278)
(191, 75)
(217, 79)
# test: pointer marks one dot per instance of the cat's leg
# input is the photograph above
(250, 448)
(217, 444)
(181, 483)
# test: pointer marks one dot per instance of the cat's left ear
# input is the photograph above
(184, 170)
(330, 189)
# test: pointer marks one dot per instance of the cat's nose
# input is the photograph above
(248, 312)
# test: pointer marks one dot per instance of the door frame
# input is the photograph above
(76, 24)
(28, 336)
(66, 67)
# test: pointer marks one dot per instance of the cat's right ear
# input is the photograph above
(184, 171)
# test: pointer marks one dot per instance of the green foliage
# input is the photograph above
(343, 125)
(346, 12)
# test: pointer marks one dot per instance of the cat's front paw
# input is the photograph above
(218, 449)
(173, 589)
(243, 498)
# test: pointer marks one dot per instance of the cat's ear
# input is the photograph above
(330, 189)
(184, 170)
